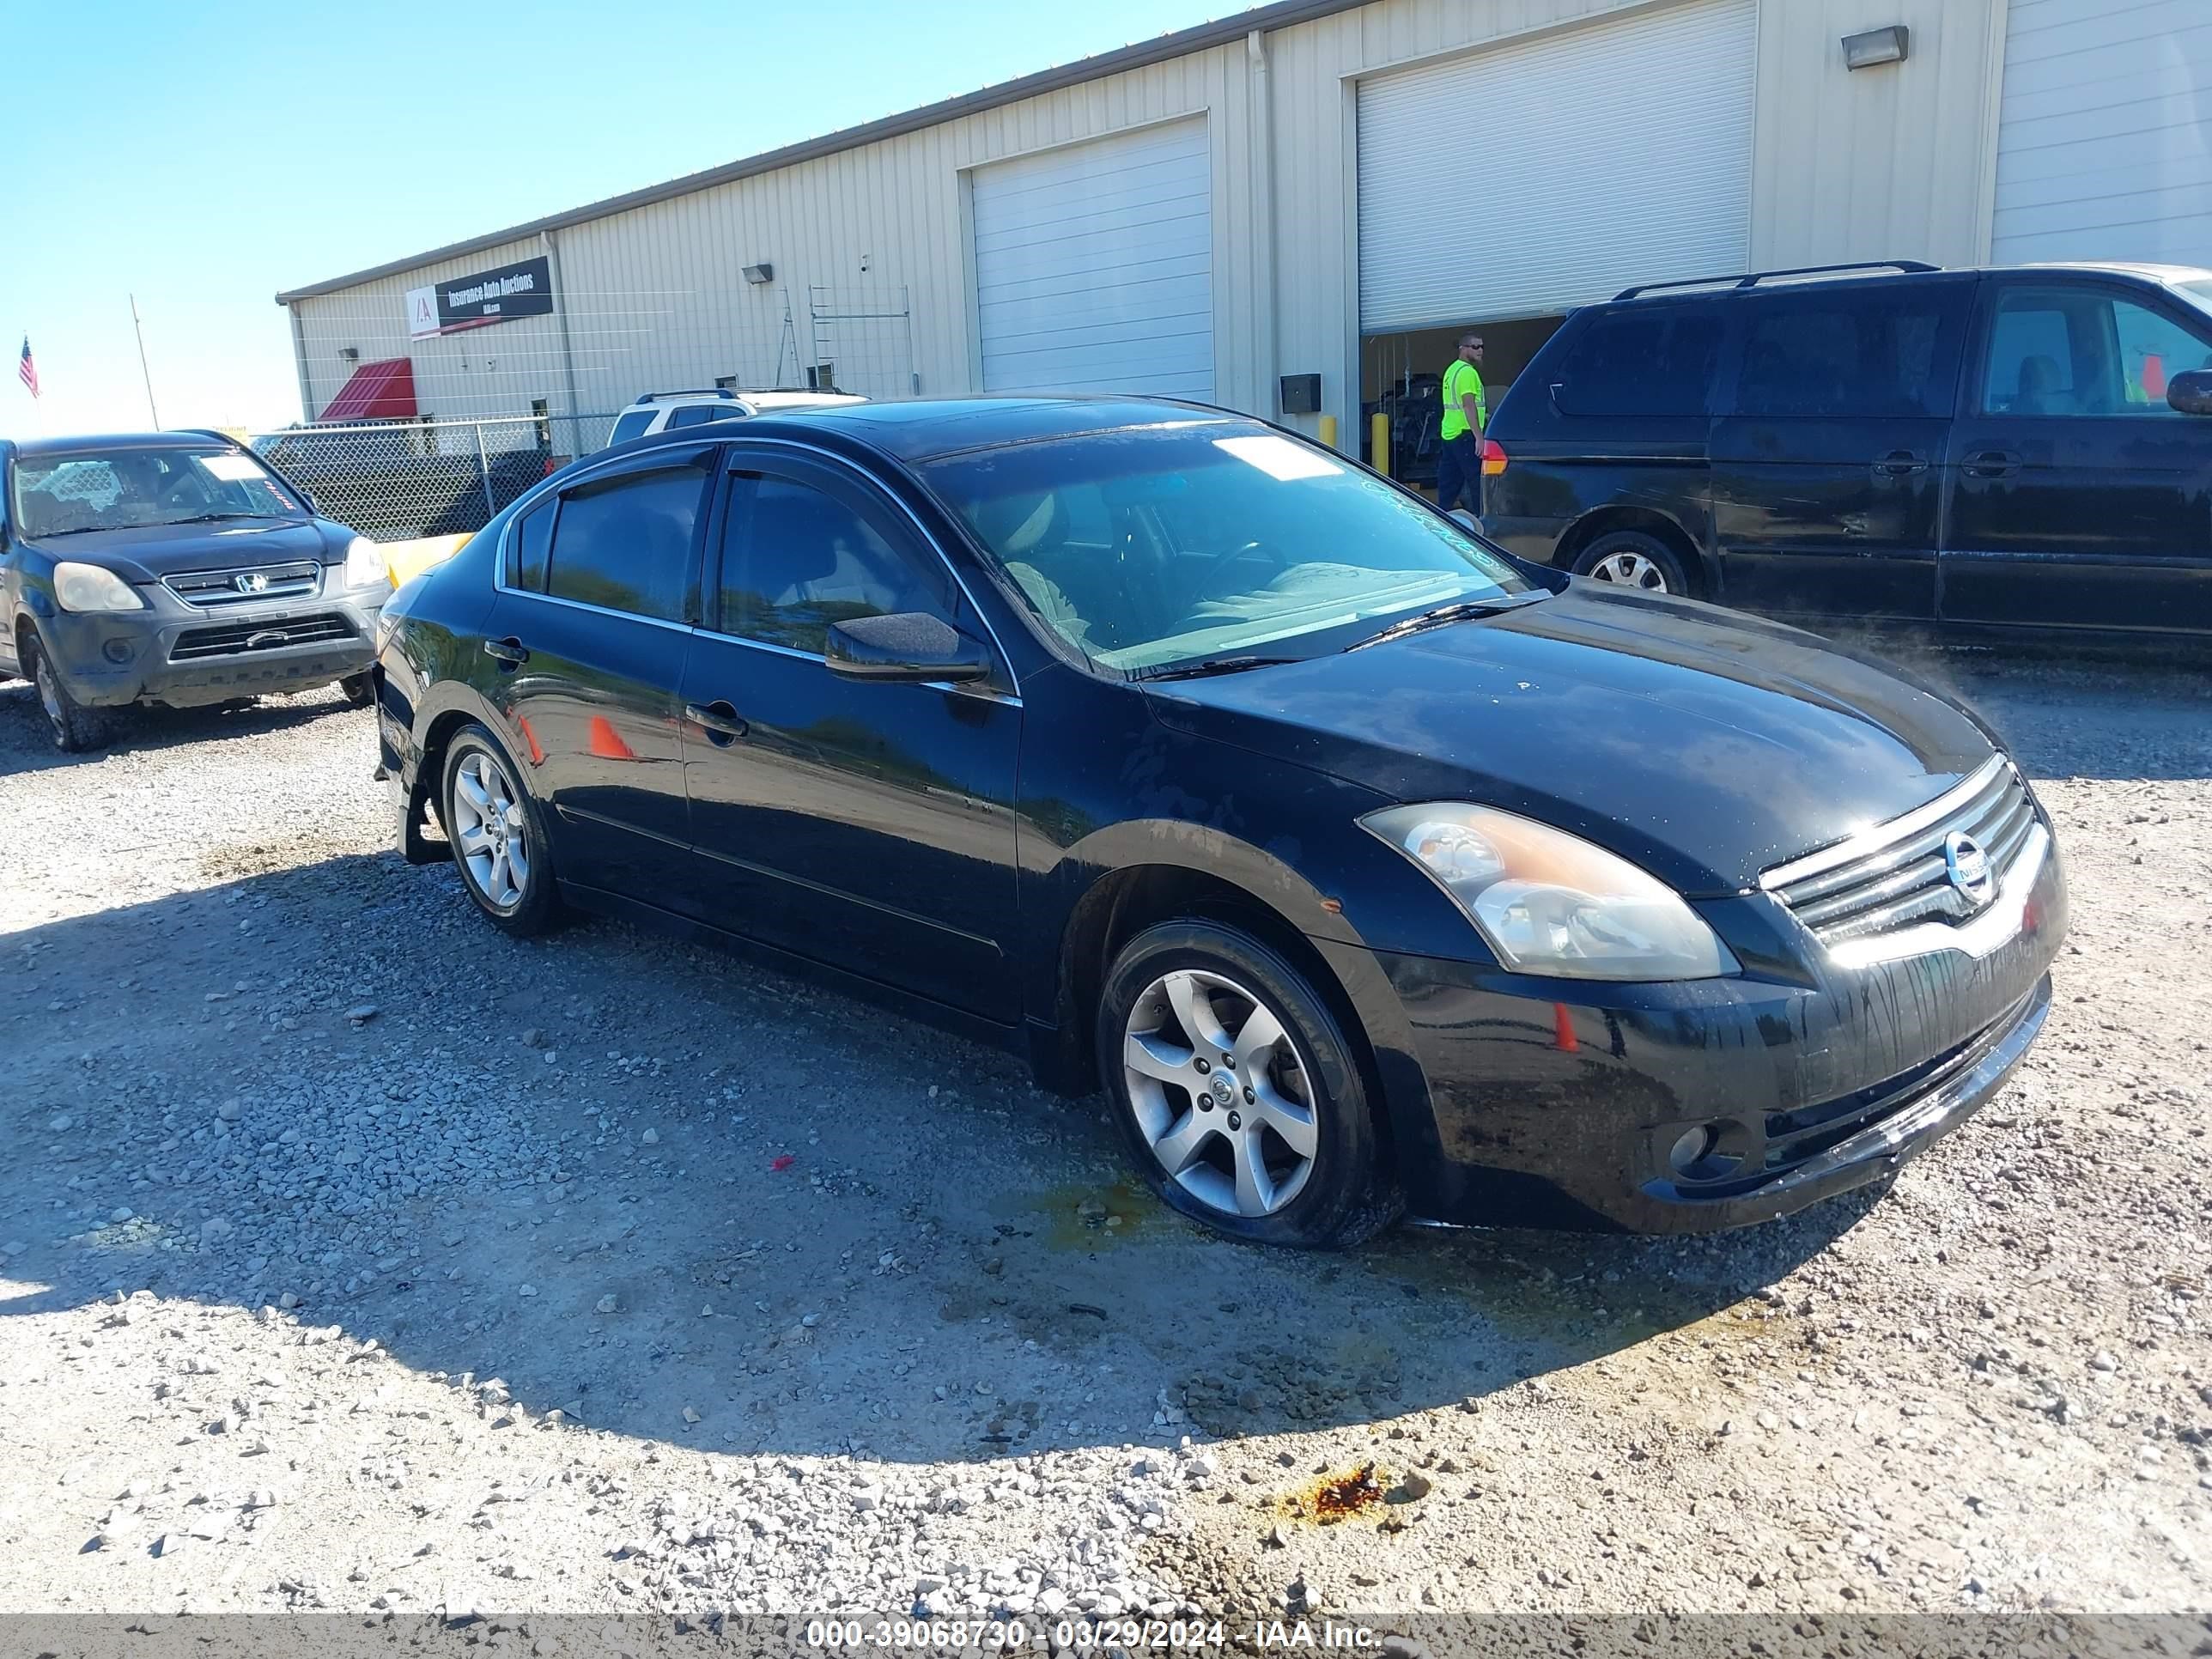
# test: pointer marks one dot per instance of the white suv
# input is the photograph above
(657, 411)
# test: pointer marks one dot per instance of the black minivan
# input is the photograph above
(1994, 451)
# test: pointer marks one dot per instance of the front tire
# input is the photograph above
(1632, 558)
(1240, 1097)
(498, 836)
(360, 690)
(75, 728)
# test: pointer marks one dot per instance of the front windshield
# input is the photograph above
(1196, 538)
(119, 488)
(2198, 291)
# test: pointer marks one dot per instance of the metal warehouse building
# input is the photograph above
(1299, 191)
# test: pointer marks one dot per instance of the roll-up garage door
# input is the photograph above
(2105, 132)
(1528, 178)
(1094, 266)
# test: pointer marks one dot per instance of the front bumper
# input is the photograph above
(183, 655)
(1520, 1101)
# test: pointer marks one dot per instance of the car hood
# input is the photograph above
(1703, 745)
(158, 550)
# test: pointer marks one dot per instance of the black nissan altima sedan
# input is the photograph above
(1361, 867)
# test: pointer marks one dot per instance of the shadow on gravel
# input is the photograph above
(24, 746)
(681, 1198)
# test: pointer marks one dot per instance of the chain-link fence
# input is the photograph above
(393, 480)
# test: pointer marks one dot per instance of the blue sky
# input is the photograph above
(206, 156)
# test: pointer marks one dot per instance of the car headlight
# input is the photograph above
(364, 565)
(84, 587)
(1549, 903)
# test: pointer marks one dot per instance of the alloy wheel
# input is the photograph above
(50, 692)
(1628, 568)
(491, 831)
(1221, 1095)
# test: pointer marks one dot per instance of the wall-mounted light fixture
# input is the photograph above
(351, 353)
(763, 272)
(1874, 46)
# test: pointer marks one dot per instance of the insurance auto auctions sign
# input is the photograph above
(490, 296)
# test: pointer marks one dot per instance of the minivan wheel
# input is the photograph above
(1629, 559)
(74, 727)
(498, 836)
(1237, 1092)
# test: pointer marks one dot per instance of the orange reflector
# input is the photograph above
(537, 755)
(1493, 457)
(607, 742)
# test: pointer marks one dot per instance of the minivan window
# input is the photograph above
(1866, 352)
(626, 544)
(1651, 360)
(2076, 351)
(700, 414)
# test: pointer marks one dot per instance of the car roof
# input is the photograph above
(28, 447)
(1791, 282)
(928, 428)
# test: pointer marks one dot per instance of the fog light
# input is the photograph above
(1692, 1148)
(116, 650)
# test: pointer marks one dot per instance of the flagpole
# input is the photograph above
(140, 330)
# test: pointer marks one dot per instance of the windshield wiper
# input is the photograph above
(1193, 671)
(215, 517)
(1450, 613)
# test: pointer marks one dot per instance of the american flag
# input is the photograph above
(27, 369)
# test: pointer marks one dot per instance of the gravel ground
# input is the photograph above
(355, 1256)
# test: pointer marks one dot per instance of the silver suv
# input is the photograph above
(658, 411)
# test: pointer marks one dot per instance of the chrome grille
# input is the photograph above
(247, 585)
(1895, 876)
(241, 639)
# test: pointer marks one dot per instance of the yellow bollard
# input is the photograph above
(1328, 430)
(1379, 441)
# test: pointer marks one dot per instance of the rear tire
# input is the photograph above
(498, 836)
(1636, 559)
(74, 727)
(1247, 1109)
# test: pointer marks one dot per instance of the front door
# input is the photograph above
(2080, 497)
(586, 644)
(868, 825)
(1827, 457)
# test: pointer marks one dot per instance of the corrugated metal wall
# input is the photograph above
(1890, 163)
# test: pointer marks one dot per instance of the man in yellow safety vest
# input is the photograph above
(1459, 465)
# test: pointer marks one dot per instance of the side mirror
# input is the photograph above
(907, 646)
(2190, 393)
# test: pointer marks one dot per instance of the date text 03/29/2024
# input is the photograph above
(1128, 1635)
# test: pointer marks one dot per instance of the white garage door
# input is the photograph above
(1608, 155)
(2105, 134)
(1094, 266)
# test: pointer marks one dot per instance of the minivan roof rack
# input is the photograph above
(689, 391)
(1752, 279)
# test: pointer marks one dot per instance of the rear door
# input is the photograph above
(866, 824)
(586, 644)
(1827, 458)
(2079, 498)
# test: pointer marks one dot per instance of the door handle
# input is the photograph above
(1991, 464)
(721, 722)
(1900, 464)
(507, 653)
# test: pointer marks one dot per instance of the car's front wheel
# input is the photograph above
(1239, 1094)
(74, 727)
(498, 836)
(359, 689)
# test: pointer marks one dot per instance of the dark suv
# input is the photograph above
(174, 569)
(2027, 449)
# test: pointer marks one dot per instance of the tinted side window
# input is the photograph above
(1865, 353)
(630, 425)
(2080, 351)
(1653, 361)
(700, 414)
(626, 544)
(796, 559)
(533, 537)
